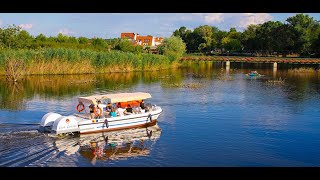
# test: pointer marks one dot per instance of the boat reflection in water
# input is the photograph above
(114, 145)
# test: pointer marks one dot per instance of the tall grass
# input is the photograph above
(79, 61)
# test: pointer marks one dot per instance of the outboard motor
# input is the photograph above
(47, 121)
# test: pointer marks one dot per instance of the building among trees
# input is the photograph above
(142, 40)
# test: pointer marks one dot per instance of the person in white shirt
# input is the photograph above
(121, 111)
(100, 107)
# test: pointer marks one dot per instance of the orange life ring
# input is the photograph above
(96, 113)
(79, 109)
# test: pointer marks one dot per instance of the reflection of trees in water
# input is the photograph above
(201, 69)
(12, 95)
(301, 85)
(115, 81)
(57, 86)
(149, 77)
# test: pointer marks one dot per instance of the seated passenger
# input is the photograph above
(136, 110)
(113, 112)
(121, 111)
(100, 108)
(129, 109)
(92, 108)
(142, 104)
(108, 107)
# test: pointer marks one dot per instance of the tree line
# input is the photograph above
(300, 34)
(13, 37)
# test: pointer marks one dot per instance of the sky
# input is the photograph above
(110, 25)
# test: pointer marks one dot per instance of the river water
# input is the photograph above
(212, 116)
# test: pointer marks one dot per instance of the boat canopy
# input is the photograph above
(113, 98)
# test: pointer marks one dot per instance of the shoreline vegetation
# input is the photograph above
(83, 61)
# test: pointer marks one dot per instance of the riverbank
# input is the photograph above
(85, 61)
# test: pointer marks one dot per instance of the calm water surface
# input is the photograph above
(212, 117)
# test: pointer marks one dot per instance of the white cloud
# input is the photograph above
(253, 18)
(66, 31)
(26, 26)
(227, 20)
(211, 17)
(214, 17)
(0, 23)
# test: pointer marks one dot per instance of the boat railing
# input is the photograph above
(85, 116)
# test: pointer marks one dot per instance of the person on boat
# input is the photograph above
(142, 104)
(129, 109)
(100, 108)
(121, 111)
(113, 112)
(91, 108)
(108, 107)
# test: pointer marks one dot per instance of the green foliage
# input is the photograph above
(127, 46)
(231, 44)
(9, 37)
(42, 38)
(173, 47)
(99, 43)
(306, 31)
(97, 59)
(203, 35)
(83, 40)
(299, 34)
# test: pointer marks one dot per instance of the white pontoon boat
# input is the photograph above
(84, 123)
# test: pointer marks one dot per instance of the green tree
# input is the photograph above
(9, 37)
(203, 35)
(231, 44)
(219, 38)
(306, 31)
(181, 32)
(249, 39)
(83, 40)
(24, 39)
(41, 38)
(127, 46)
(61, 38)
(173, 47)
(315, 47)
(265, 35)
(283, 39)
(99, 43)
(73, 40)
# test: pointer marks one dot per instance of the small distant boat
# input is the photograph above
(254, 73)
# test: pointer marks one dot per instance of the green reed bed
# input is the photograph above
(79, 61)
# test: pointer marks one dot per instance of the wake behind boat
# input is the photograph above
(105, 113)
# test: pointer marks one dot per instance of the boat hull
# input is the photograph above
(76, 124)
(118, 123)
(152, 123)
